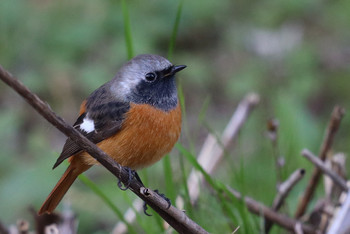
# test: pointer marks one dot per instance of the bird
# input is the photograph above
(135, 118)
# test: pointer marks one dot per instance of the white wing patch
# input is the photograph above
(87, 125)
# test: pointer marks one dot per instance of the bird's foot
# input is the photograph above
(145, 207)
(132, 174)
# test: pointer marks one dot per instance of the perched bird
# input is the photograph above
(135, 118)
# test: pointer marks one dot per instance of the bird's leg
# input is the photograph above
(137, 177)
(132, 174)
(162, 196)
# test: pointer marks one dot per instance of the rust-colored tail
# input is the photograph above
(61, 188)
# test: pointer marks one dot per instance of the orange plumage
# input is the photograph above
(147, 134)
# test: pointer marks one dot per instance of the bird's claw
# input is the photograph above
(145, 207)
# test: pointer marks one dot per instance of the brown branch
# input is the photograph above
(320, 165)
(283, 191)
(280, 219)
(176, 218)
(337, 115)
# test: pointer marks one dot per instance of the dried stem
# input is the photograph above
(212, 151)
(337, 115)
(176, 218)
(322, 166)
(283, 191)
(280, 219)
(272, 133)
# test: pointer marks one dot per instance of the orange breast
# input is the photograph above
(146, 136)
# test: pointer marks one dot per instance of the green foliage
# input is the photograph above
(127, 30)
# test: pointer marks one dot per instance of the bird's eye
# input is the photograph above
(151, 76)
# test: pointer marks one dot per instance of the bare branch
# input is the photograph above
(283, 191)
(337, 164)
(176, 218)
(337, 115)
(321, 165)
(280, 219)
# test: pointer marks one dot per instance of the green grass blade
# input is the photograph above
(224, 204)
(147, 225)
(204, 108)
(196, 165)
(189, 210)
(170, 54)
(159, 221)
(127, 30)
(106, 200)
(175, 30)
(184, 116)
(169, 182)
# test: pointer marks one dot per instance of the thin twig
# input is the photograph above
(337, 115)
(321, 165)
(176, 218)
(272, 133)
(283, 191)
(286, 187)
(210, 155)
(337, 164)
(280, 219)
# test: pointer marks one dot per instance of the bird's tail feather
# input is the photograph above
(60, 189)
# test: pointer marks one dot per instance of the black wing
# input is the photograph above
(107, 117)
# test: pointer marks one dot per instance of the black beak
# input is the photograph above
(178, 68)
(172, 70)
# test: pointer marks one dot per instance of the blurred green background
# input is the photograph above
(294, 54)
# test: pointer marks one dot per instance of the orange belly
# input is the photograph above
(147, 134)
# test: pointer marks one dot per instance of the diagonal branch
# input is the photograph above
(337, 115)
(327, 171)
(283, 191)
(176, 218)
(260, 209)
